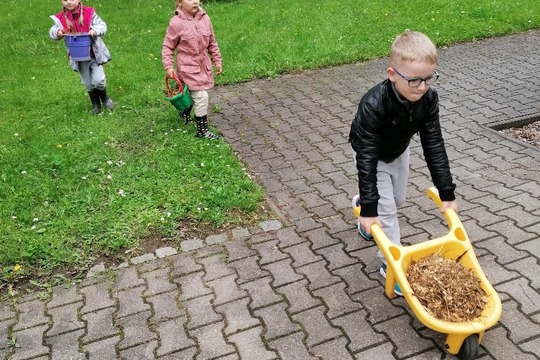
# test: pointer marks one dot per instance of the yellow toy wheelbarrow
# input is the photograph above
(463, 338)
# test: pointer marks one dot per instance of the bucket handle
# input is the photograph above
(175, 78)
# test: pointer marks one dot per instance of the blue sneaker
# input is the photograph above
(363, 234)
(397, 289)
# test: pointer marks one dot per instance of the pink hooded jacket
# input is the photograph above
(195, 44)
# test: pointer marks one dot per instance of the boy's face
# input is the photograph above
(411, 70)
(190, 6)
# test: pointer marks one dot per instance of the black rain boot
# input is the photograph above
(96, 104)
(107, 102)
(202, 128)
(186, 114)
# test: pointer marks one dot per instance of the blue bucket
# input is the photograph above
(79, 46)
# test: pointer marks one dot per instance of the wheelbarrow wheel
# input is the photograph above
(469, 348)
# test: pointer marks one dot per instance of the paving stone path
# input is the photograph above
(305, 286)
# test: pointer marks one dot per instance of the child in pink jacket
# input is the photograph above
(191, 36)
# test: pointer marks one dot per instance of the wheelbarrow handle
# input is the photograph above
(178, 81)
(450, 214)
(433, 194)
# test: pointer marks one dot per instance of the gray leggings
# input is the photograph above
(392, 179)
(92, 75)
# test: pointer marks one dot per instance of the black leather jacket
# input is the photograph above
(382, 130)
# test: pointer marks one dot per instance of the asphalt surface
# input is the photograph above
(306, 286)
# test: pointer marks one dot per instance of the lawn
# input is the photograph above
(75, 187)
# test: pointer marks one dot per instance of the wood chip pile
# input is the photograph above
(529, 133)
(446, 289)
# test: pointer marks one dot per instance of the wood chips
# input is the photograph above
(172, 91)
(446, 289)
(529, 133)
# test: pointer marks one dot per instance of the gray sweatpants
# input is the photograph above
(92, 75)
(392, 180)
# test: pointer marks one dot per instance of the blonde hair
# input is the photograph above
(411, 46)
(80, 20)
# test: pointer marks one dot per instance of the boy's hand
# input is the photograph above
(366, 223)
(60, 33)
(449, 205)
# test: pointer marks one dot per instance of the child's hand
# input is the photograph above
(60, 33)
(170, 73)
(366, 223)
(219, 69)
(449, 205)
(92, 33)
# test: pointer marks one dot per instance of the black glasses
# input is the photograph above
(430, 80)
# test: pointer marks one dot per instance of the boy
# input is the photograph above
(388, 116)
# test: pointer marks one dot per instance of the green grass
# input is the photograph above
(265, 38)
(74, 186)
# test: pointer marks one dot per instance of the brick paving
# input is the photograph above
(305, 286)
